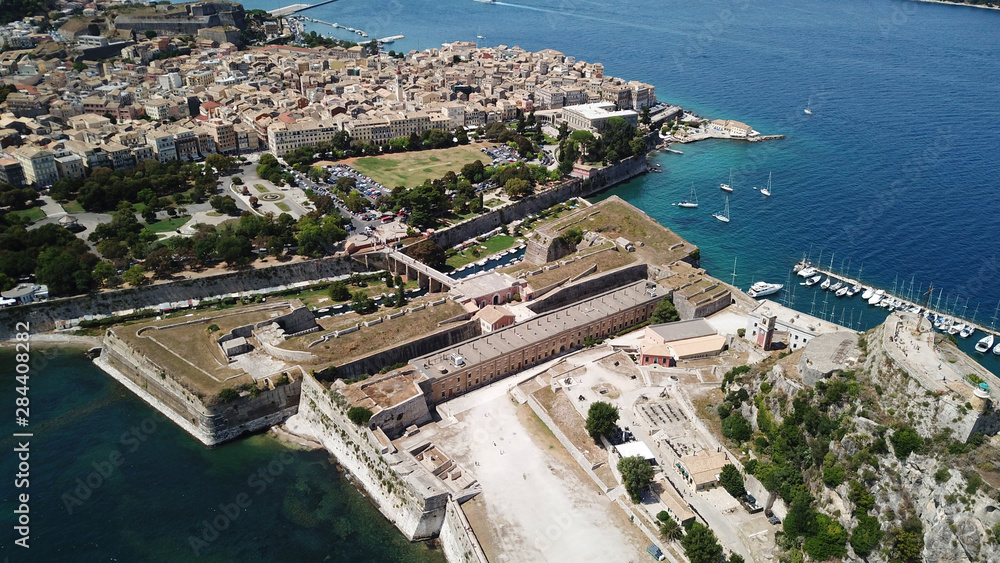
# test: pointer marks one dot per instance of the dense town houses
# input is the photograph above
(167, 99)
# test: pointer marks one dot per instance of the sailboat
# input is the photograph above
(724, 216)
(808, 111)
(767, 191)
(690, 203)
(728, 187)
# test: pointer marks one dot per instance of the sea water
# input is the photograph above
(895, 170)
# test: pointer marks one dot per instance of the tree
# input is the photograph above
(644, 116)
(338, 292)
(428, 252)
(665, 312)
(224, 204)
(105, 275)
(150, 34)
(602, 420)
(400, 296)
(517, 188)
(361, 303)
(359, 415)
(732, 481)
(161, 262)
(135, 276)
(461, 136)
(737, 428)
(637, 474)
(670, 530)
(79, 66)
(700, 544)
(906, 440)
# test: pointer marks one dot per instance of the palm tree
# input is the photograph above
(670, 530)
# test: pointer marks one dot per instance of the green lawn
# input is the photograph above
(412, 168)
(493, 202)
(493, 245)
(32, 214)
(72, 207)
(261, 188)
(169, 225)
(283, 206)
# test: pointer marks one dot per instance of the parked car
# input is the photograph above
(655, 552)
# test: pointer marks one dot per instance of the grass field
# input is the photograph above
(72, 207)
(261, 188)
(283, 206)
(32, 214)
(412, 168)
(168, 225)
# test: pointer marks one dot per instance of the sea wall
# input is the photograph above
(458, 541)
(602, 180)
(415, 503)
(44, 315)
(211, 425)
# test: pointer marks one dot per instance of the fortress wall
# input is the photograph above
(44, 314)
(415, 510)
(210, 425)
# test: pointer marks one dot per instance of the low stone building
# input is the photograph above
(665, 344)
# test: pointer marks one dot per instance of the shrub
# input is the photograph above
(942, 475)
(905, 440)
(228, 394)
(359, 415)
(736, 428)
(833, 476)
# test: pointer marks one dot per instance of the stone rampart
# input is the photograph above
(415, 502)
(458, 541)
(602, 180)
(588, 287)
(402, 353)
(209, 424)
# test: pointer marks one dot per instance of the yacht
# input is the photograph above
(807, 272)
(967, 331)
(837, 286)
(876, 297)
(842, 291)
(813, 280)
(826, 284)
(767, 191)
(854, 290)
(869, 292)
(808, 111)
(996, 350)
(984, 344)
(956, 328)
(728, 187)
(723, 216)
(690, 203)
(760, 289)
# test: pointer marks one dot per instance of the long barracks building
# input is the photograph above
(460, 368)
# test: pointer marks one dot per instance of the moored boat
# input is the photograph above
(842, 291)
(826, 284)
(968, 331)
(869, 292)
(876, 297)
(984, 344)
(814, 280)
(760, 289)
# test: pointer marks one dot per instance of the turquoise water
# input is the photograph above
(894, 170)
(893, 173)
(112, 480)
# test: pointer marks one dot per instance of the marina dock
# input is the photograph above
(910, 302)
(296, 8)
(336, 25)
